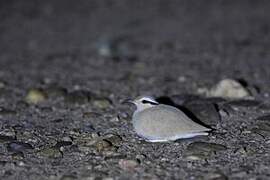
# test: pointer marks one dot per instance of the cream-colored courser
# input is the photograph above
(160, 123)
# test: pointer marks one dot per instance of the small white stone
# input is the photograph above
(21, 163)
(128, 165)
(2, 84)
(228, 88)
(114, 119)
(182, 79)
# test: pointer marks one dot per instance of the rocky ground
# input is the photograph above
(66, 66)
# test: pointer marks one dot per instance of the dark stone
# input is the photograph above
(21, 105)
(78, 97)
(202, 111)
(3, 163)
(225, 109)
(261, 132)
(62, 143)
(93, 115)
(264, 118)
(68, 177)
(204, 148)
(46, 109)
(4, 138)
(206, 112)
(56, 92)
(17, 146)
(244, 103)
(17, 155)
(5, 112)
(87, 128)
(262, 128)
(59, 120)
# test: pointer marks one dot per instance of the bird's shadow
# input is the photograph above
(168, 101)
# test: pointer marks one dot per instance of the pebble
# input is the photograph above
(102, 103)
(201, 150)
(224, 113)
(106, 144)
(262, 133)
(264, 118)
(4, 138)
(182, 79)
(81, 137)
(140, 157)
(115, 119)
(245, 151)
(84, 149)
(78, 97)
(60, 144)
(262, 128)
(128, 165)
(8, 132)
(17, 156)
(46, 110)
(2, 84)
(68, 177)
(56, 92)
(6, 112)
(228, 88)
(195, 157)
(87, 128)
(28, 136)
(58, 120)
(17, 146)
(116, 47)
(263, 125)
(22, 105)
(93, 115)
(243, 104)
(206, 147)
(105, 48)
(205, 112)
(67, 139)
(35, 96)
(215, 176)
(51, 152)
(138, 68)
(239, 175)
(102, 145)
(115, 140)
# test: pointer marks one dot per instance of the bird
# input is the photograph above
(155, 122)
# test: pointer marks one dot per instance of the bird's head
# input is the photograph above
(143, 102)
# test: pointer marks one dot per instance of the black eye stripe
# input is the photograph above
(149, 102)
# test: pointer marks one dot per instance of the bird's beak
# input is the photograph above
(127, 101)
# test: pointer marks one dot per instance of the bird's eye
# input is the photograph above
(149, 102)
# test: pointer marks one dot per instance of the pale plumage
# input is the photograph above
(160, 123)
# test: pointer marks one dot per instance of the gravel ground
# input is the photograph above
(66, 66)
